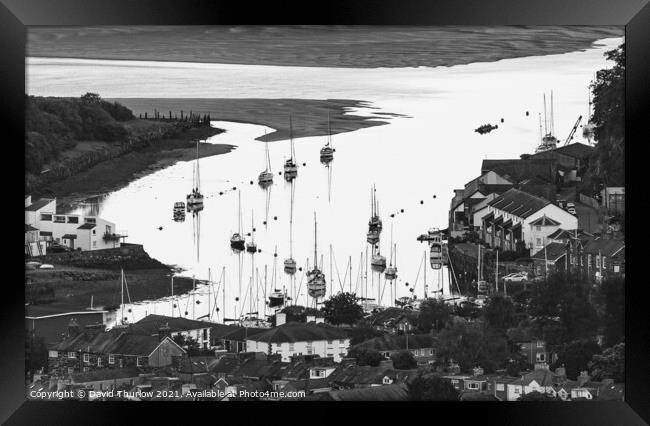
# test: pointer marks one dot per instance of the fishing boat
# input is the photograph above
(195, 198)
(327, 152)
(374, 224)
(252, 247)
(277, 299)
(266, 177)
(179, 211)
(237, 241)
(316, 282)
(435, 244)
(372, 237)
(548, 141)
(290, 166)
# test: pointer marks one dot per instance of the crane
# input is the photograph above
(573, 131)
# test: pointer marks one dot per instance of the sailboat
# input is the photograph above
(266, 177)
(237, 241)
(391, 271)
(316, 282)
(277, 298)
(252, 247)
(548, 141)
(290, 166)
(374, 224)
(195, 198)
(327, 152)
(290, 263)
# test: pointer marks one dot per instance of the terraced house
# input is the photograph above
(93, 348)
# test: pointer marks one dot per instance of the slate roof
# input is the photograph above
(519, 169)
(151, 323)
(87, 226)
(299, 332)
(607, 247)
(226, 365)
(394, 392)
(396, 343)
(518, 203)
(554, 251)
(576, 150)
(545, 221)
(105, 374)
(30, 228)
(110, 342)
(35, 206)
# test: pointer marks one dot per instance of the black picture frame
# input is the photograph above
(15, 15)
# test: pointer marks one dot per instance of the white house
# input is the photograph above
(74, 231)
(301, 339)
(176, 326)
(517, 220)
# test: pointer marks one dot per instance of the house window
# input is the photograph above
(53, 354)
(205, 334)
(111, 359)
(292, 347)
(72, 355)
(121, 362)
(540, 357)
(517, 390)
(59, 219)
(538, 228)
(73, 219)
(617, 268)
(86, 369)
(90, 220)
(473, 386)
(603, 262)
(597, 261)
(138, 362)
(46, 217)
(70, 370)
(99, 361)
(500, 387)
(94, 232)
(540, 344)
(94, 243)
(86, 358)
(539, 242)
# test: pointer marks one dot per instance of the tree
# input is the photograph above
(188, 343)
(366, 356)
(576, 355)
(91, 98)
(608, 161)
(403, 360)
(342, 309)
(609, 365)
(434, 314)
(537, 396)
(612, 300)
(36, 355)
(500, 313)
(472, 345)
(431, 388)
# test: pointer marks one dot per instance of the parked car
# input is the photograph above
(58, 248)
(516, 277)
(46, 266)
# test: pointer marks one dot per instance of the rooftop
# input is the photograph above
(87, 226)
(152, 323)
(519, 169)
(554, 251)
(606, 247)
(545, 221)
(299, 332)
(105, 374)
(37, 205)
(395, 343)
(519, 203)
(394, 392)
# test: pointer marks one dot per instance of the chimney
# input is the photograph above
(164, 331)
(280, 319)
(310, 318)
(73, 328)
(583, 378)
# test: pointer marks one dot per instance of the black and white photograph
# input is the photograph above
(325, 213)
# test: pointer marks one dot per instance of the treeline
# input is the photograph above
(195, 119)
(607, 166)
(55, 124)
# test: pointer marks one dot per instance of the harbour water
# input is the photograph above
(415, 162)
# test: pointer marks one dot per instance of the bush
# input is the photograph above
(403, 360)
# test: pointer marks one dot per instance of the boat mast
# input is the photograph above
(315, 243)
(545, 117)
(122, 283)
(291, 138)
(198, 173)
(239, 214)
(552, 124)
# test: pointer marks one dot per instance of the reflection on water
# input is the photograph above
(414, 162)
